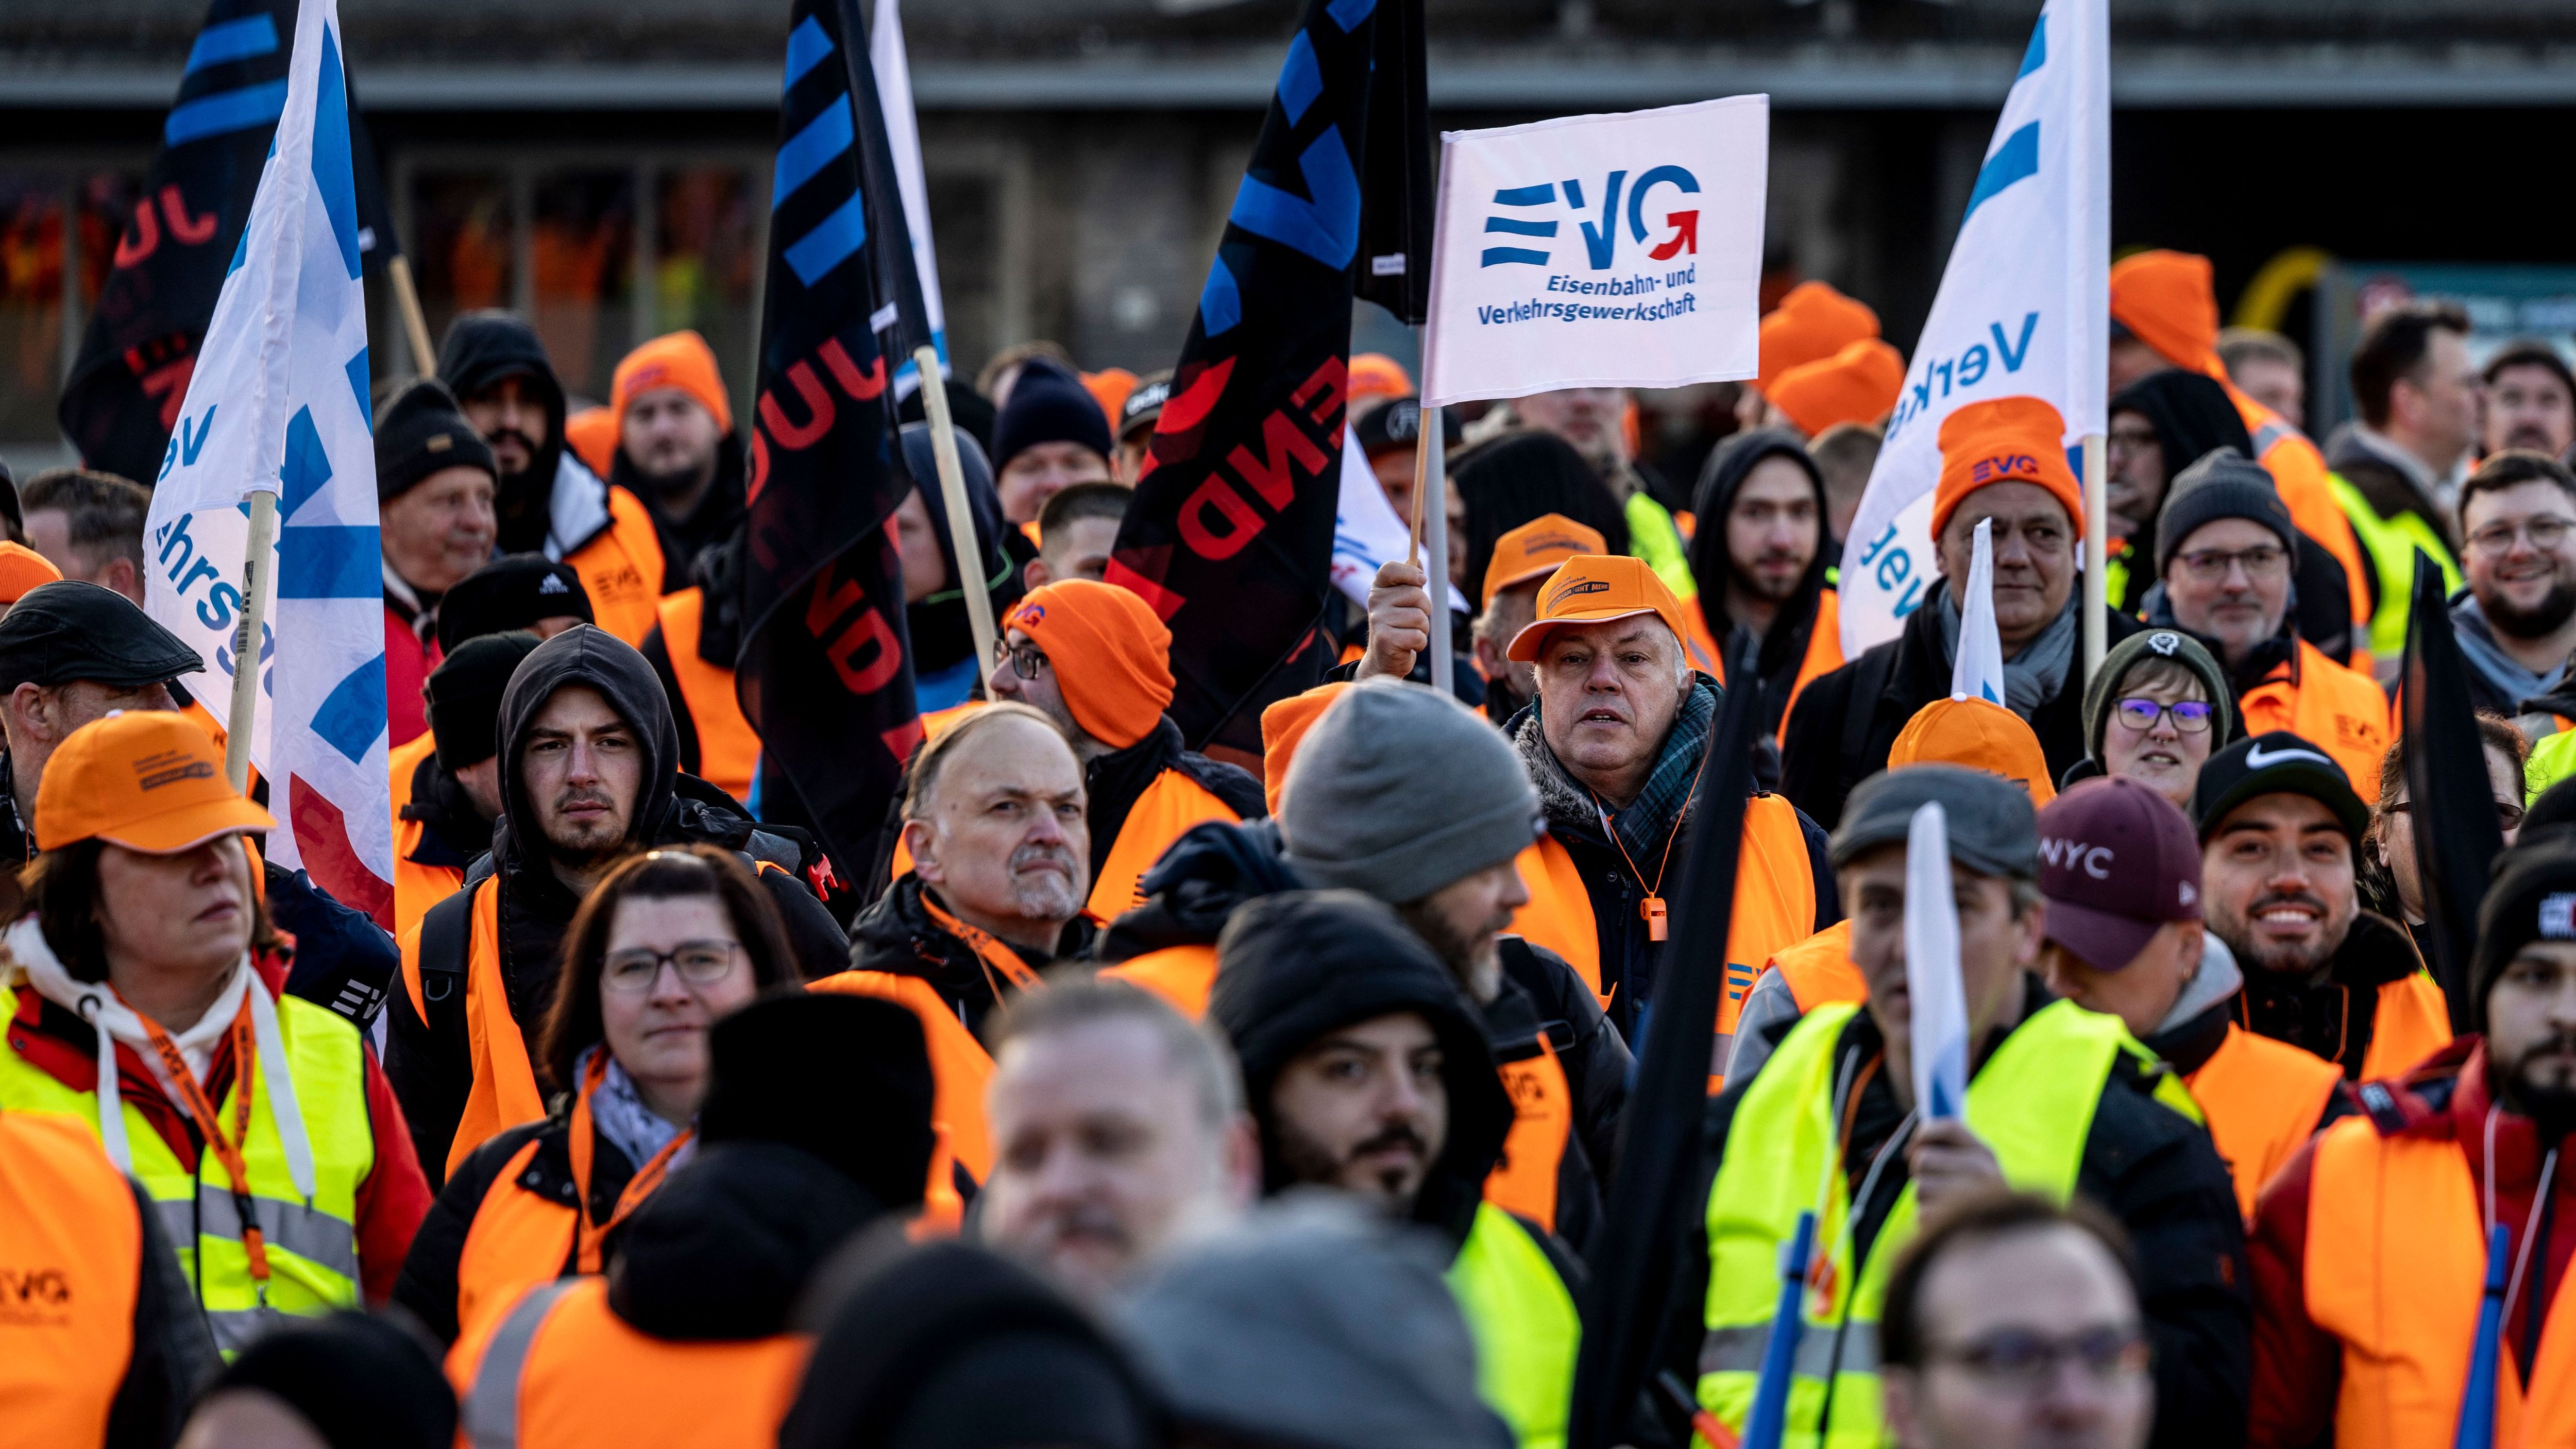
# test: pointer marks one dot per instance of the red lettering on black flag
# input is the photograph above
(122, 398)
(825, 673)
(1230, 536)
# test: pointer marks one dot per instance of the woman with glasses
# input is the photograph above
(2155, 712)
(2390, 883)
(670, 941)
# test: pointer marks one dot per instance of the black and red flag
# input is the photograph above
(825, 672)
(122, 397)
(1230, 535)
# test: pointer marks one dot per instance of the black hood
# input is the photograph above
(1190, 893)
(482, 348)
(941, 635)
(1727, 468)
(590, 656)
(1298, 964)
(2192, 416)
(1525, 476)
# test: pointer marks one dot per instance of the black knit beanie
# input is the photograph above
(1048, 404)
(465, 697)
(2532, 899)
(421, 432)
(2225, 484)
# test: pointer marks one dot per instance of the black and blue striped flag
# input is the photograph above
(121, 399)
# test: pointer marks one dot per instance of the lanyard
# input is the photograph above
(227, 1150)
(588, 1238)
(1652, 907)
(995, 955)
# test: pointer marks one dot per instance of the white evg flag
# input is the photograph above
(279, 403)
(2024, 308)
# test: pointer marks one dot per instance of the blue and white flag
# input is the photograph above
(1934, 995)
(2023, 311)
(1977, 671)
(279, 403)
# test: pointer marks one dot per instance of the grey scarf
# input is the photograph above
(2034, 676)
(618, 1110)
(2502, 671)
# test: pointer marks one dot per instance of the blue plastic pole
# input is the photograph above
(1769, 1417)
(2478, 1400)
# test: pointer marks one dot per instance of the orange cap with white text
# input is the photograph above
(149, 780)
(1595, 589)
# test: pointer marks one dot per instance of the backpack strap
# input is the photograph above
(446, 933)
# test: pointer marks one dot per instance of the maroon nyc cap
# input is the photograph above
(2116, 862)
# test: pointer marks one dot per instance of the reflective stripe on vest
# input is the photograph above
(2411, 1022)
(517, 1240)
(2032, 1103)
(75, 1245)
(416, 887)
(1169, 806)
(621, 569)
(505, 1092)
(1775, 903)
(728, 748)
(312, 1246)
(2340, 712)
(2391, 544)
(2394, 1269)
(1182, 975)
(1524, 1325)
(1524, 1182)
(2263, 1099)
(563, 1371)
(959, 1065)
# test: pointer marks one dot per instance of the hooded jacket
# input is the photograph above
(1784, 644)
(429, 1060)
(1845, 723)
(1298, 965)
(943, 641)
(482, 349)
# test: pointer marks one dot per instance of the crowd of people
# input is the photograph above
(1134, 1095)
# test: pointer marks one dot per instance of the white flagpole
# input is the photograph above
(2097, 556)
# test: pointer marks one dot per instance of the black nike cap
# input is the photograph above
(2278, 763)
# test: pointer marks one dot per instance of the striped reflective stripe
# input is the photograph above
(1738, 1350)
(236, 1329)
(491, 1408)
(2267, 435)
(308, 1233)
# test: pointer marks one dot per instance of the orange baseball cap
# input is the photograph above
(1811, 323)
(1979, 735)
(1533, 550)
(149, 780)
(1594, 589)
(21, 569)
(2004, 440)
(1859, 384)
(2170, 301)
(675, 359)
(1374, 374)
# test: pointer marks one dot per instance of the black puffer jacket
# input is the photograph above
(428, 1061)
(898, 936)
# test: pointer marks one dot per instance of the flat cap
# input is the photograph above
(70, 630)
(1993, 829)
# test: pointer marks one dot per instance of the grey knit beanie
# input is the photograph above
(2225, 484)
(2171, 644)
(1399, 790)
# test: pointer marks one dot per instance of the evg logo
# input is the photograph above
(1601, 239)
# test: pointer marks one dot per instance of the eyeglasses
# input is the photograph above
(2546, 533)
(2209, 565)
(700, 963)
(2027, 1362)
(2191, 716)
(1026, 659)
(2508, 814)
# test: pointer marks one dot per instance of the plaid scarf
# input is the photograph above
(1648, 821)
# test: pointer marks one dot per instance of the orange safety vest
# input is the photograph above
(417, 887)
(2299, 475)
(560, 1370)
(1775, 902)
(1169, 806)
(68, 1280)
(728, 748)
(1181, 975)
(1819, 969)
(960, 1069)
(621, 569)
(2261, 1099)
(2342, 713)
(2411, 1021)
(1824, 653)
(505, 1081)
(2395, 1268)
(1524, 1182)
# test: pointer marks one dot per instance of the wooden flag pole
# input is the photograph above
(254, 616)
(2097, 556)
(961, 514)
(424, 358)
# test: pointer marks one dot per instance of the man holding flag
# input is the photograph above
(2059, 1101)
